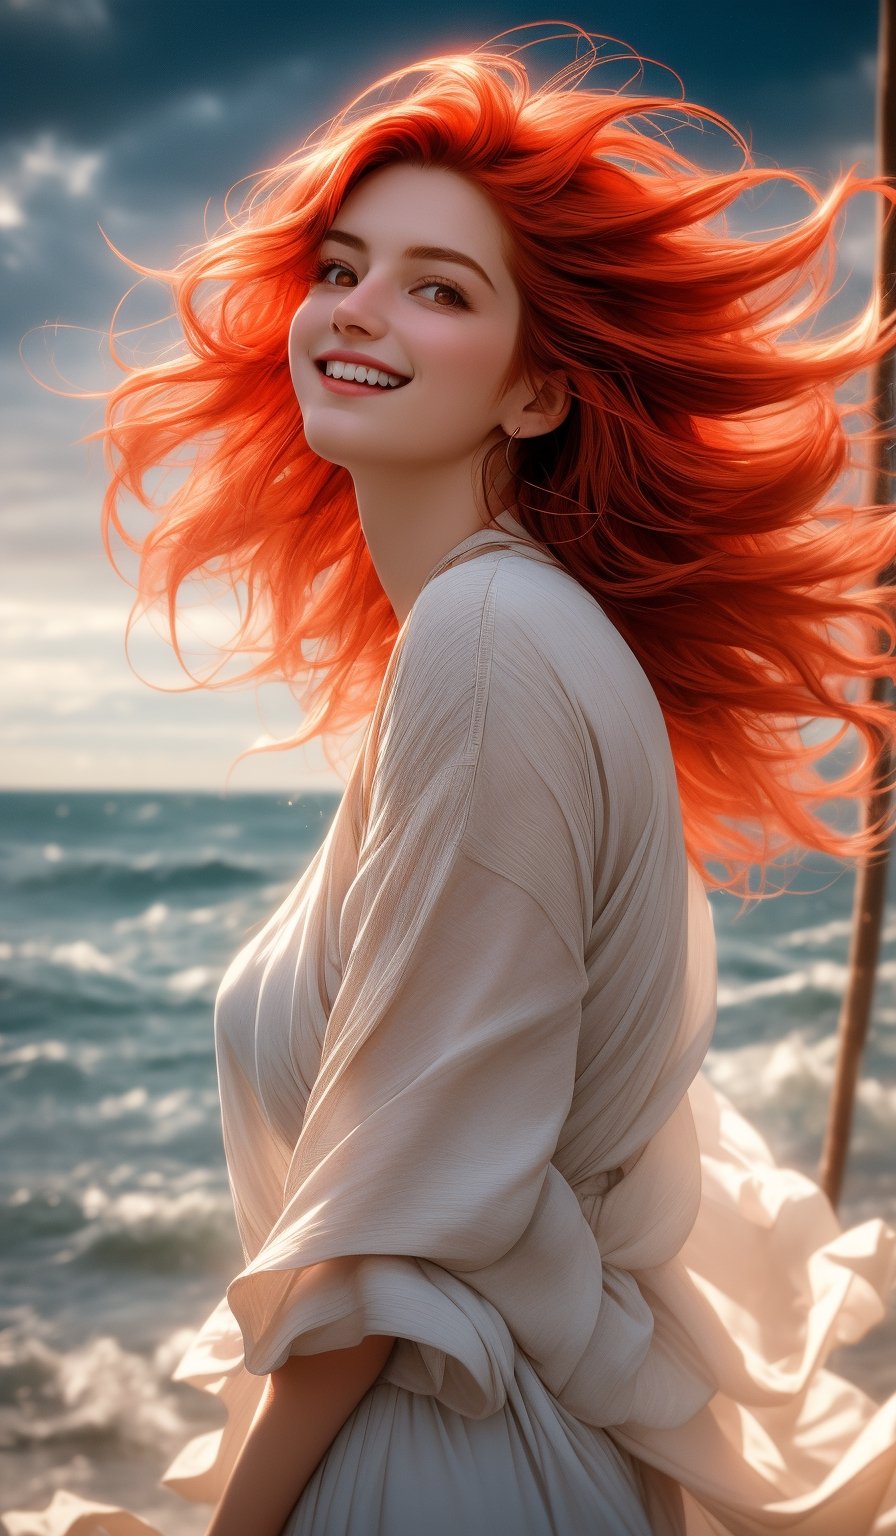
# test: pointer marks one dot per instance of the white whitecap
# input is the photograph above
(202, 915)
(177, 1102)
(837, 931)
(187, 983)
(821, 976)
(148, 921)
(761, 1068)
(116, 1105)
(98, 1386)
(37, 1050)
(84, 957)
(158, 1209)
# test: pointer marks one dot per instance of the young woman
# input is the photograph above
(539, 472)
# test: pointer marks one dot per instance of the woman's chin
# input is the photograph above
(334, 444)
(356, 451)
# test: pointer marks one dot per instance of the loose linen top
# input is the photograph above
(511, 984)
(463, 1060)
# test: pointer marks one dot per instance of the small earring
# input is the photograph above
(507, 442)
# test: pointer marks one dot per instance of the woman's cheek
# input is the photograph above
(299, 351)
(297, 329)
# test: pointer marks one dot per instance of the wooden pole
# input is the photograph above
(871, 875)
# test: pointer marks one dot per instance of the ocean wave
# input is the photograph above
(167, 1230)
(194, 980)
(29, 1214)
(76, 1053)
(823, 976)
(150, 920)
(79, 955)
(799, 1070)
(233, 915)
(180, 1110)
(44, 987)
(148, 811)
(42, 980)
(96, 1395)
(837, 930)
(175, 1233)
(32, 1004)
(143, 875)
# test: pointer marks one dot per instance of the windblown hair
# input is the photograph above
(686, 490)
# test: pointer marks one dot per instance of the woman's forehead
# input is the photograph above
(423, 193)
(409, 205)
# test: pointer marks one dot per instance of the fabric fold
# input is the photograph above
(768, 1284)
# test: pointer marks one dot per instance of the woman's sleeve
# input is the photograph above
(423, 1166)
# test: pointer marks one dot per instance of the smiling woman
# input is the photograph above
(511, 1264)
(450, 349)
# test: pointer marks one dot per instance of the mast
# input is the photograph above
(870, 891)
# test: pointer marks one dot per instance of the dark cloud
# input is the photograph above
(134, 115)
(78, 66)
(127, 56)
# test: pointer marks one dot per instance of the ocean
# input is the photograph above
(118, 915)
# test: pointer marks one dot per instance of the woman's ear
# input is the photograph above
(538, 410)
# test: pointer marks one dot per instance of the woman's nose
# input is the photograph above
(358, 311)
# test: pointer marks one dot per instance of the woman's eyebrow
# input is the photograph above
(417, 253)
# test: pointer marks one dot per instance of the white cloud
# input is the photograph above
(75, 715)
(27, 623)
(204, 106)
(857, 251)
(34, 177)
(11, 214)
(73, 169)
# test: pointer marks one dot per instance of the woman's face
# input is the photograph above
(412, 282)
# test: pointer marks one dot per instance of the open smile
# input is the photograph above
(357, 376)
(352, 387)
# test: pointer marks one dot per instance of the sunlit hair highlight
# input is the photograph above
(688, 490)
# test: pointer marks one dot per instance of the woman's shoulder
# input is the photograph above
(519, 625)
(536, 609)
(512, 674)
(503, 599)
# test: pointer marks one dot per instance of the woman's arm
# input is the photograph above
(304, 1406)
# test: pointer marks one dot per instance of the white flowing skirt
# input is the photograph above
(405, 1465)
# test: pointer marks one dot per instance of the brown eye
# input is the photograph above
(445, 295)
(335, 273)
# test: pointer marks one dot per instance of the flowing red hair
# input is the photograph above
(686, 490)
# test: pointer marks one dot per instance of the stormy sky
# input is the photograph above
(137, 116)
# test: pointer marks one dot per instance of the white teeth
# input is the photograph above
(357, 373)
